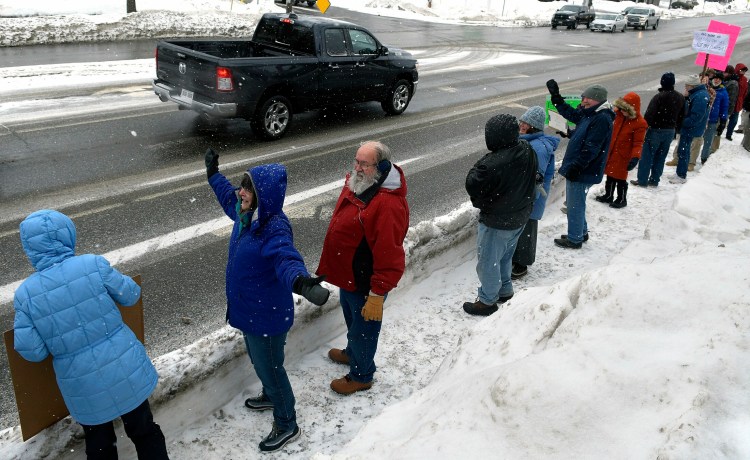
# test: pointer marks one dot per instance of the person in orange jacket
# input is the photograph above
(628, 133)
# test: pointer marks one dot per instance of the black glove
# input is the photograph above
(720, 128)
(539, 178)
(554, 92)
(212, 163)
(311, 289)
(573, 173)
(633, 163)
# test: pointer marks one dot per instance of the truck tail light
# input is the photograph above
(156, 57)
(224, 79)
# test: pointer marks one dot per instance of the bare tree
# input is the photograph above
(131, 6)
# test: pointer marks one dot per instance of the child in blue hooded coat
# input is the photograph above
(67, 309)
(263, 269)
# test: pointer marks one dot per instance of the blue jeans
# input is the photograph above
(708, 137)
(575, 196)
(362, 337)
(732, 122)
(653, 155)
(683, 154)
(267, 356)
(495, 248)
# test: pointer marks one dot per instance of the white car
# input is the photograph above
(609, 22)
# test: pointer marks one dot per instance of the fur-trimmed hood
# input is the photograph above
(629, 105)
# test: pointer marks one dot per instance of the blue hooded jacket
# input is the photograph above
(720, 107)
(67, 309)
(589, 145)
(263, 262)
(696, 112)
(544, 146)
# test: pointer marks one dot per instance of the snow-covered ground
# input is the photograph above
(635, 346)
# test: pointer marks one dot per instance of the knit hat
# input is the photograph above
(595, 92)
(534, 117)
(667, 80)
(501, 131)
(718, 74)
(729, 69)
(693, 80)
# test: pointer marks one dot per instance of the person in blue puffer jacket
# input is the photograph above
(67, 309)
(263, 269)
(531, 129)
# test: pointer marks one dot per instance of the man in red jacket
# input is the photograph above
(734, 112)
(363, 255)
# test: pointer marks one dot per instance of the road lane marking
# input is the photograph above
(134, 251)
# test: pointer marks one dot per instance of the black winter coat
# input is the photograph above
(502, 185)
(665, 109)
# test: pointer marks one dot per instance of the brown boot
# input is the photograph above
(346, 386)
(338, 356)
(671, 163)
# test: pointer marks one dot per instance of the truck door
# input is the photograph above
(337, 76)
(371, 69)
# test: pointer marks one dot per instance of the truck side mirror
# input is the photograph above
(383, 51)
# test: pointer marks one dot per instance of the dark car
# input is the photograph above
(295, 2)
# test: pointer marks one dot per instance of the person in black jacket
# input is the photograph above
(663, 114)
(502, 184)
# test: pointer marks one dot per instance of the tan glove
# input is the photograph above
(373, 309)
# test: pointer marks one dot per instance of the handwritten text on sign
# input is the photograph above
(710, 42)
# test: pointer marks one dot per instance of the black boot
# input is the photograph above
(609, 191)
(622, 195)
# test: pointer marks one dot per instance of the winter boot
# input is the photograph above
(622, 194)
(609, 191)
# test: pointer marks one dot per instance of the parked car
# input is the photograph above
(572, 15)
(682, 5)
(609, 22)
(642, 18)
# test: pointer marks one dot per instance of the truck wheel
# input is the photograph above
(554, 26)
(272, 118)
(398, 98)
(310, 4)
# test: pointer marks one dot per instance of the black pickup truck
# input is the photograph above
(572, 15)
(292, 64)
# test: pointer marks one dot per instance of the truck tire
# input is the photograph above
(272, 118)
(310, 4)
(398, 98)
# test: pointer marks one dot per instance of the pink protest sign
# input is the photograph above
(720, 62)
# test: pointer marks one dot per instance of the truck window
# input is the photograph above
(335, 42)
(286, 33)
(362, 42)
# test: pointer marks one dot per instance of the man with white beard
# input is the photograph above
(363, 255)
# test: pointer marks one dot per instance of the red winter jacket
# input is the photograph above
(363, 249)
(628, 133)
(742, 82)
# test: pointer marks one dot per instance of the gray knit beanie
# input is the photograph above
(595, 92)
(534, 117)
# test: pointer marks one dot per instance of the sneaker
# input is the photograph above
(480, 309)
(260, 402)
(635, 182)
(671, 163)
(277, 439)
(566, 243)
(338, 356)
(346, 386)
(585, 237)
(677, 179)
(518, 271)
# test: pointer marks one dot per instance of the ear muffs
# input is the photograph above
(384, 166)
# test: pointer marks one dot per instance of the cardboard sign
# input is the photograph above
(38, 398)
(716, 61)
(710, 42)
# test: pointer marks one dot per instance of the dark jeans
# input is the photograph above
(653, 155)
(683, 154)
(525, 253)
(362, 337)
(267, 356)
(101, 441)
(733, 117)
